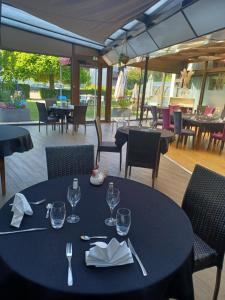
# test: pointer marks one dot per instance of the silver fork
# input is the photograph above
(69, 253)
(35, 203)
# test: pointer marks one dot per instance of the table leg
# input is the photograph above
(62, 125)
(199, 137)
(2, 171)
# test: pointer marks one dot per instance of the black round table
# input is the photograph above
(160, 232)
(62, 112)
(122, 133)
(12, 139)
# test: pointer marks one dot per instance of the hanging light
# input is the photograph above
(123, 57)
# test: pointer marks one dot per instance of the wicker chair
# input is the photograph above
(69, 160)
(204, 203)
(105, 146)
(180, 131)
(155, 120)
(78, 117)
(44, 118)
(143, 151)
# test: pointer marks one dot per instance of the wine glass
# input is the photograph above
(113, 199)
(73, 196)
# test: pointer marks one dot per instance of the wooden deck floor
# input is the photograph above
(26, 169)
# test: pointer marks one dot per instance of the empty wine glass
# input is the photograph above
(113, 199)
(73, 196)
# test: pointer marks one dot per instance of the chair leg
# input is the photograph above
(193, 142)
(178, 139)
(120, 158)
(85, 128)
(130, 171)
(153, 178)
(47, 128)
(39, 125)
(185, 140)
(217, 285)
(221, 146)
(126, 167)
(210, 142)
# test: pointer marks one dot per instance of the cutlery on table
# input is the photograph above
(34, 203)
(100, 244)
(137, 258)
(69, 253)
(48, 207)
(22, 230)
(87, 238)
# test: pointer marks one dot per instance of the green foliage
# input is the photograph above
(133, 76)
(25, 88)
(48, 93)
(124, 103)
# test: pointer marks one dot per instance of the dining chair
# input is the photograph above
(44, 118)
(220, 137)
(180, 131)
(69, 160)
(204, 203)
(78, 117)
(209, 110)
(143, 151)
(223, 113)
(167, 119)
(155, 120)
(104, 146)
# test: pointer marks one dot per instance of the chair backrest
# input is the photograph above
(143, 148)
(79, 114)
(98, 129)
(177, 117)
(209, 110)
(69, 160)
(204, 203)
(223, 136)
(43, 114)
(201, 109)
(166, 118)
(50, 102)
(154, 111)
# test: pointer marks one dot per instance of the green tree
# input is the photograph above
(133, 76)
(40, 68)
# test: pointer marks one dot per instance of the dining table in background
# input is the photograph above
(12, 139)
(62, 112)
(202, 124)
(160, 232)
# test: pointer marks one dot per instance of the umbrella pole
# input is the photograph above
(144, 88)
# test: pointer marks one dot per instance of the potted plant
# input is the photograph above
(13, 108)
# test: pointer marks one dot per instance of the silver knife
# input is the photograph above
(137, 258)
(23, 230)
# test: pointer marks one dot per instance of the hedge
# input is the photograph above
(47, 93)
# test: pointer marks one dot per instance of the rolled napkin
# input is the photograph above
(97, 177)
(109, 255)
(19, 208)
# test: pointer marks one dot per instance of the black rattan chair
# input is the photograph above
(180, 131)
(69, 160)
(105, 146)
(204, 203)
(155, 120)
(44, 118)
(143, 151)
(78, 117)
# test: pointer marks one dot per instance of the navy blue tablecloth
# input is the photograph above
(122, 134)
(160, 232)
(14, 139)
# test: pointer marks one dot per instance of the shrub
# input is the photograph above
(47, 93)
(25, 88)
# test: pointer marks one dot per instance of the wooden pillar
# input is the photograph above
(75, 78)
(99, 91)
(108, 96)
(144, 88)
(203, 84)
(139, 92)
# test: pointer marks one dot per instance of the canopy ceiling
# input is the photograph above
(94, 19)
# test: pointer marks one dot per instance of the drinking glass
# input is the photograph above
(58, 214)
(73, 196)
(113, 199)
(123, 221)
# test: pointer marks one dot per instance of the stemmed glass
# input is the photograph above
(113, 199)
(73, 196)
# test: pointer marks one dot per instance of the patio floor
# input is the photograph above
(29, 168)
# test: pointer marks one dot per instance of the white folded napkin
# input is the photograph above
(108, 255)
(19, 208)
